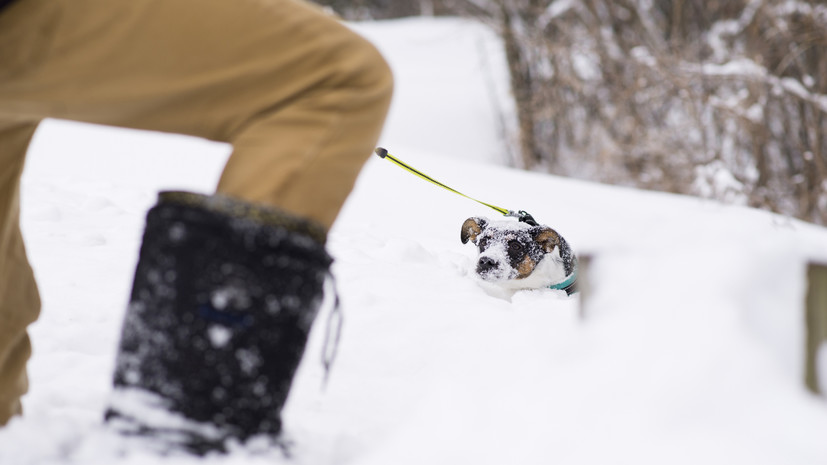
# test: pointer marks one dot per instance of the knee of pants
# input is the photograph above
(362, 66)
(379, 73)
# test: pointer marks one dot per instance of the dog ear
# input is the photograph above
(471, 228)
(547, 238)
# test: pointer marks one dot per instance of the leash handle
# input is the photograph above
(521, 215)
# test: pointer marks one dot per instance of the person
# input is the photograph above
(222, 278)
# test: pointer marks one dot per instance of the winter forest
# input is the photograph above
(724, 99)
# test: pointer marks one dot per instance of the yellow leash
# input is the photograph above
(521, 215)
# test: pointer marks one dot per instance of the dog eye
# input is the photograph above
(515, 248)
(483, 243)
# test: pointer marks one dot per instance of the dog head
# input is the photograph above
(516, 255)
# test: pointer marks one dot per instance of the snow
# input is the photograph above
(555, 10)
(451, 91)
(747, 68)
(714, 180)
(689, 348)
(219, 335)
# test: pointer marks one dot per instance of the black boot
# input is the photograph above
(224, 297)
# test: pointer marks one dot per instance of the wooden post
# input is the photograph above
(816, 321)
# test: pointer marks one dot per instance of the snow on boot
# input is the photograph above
(224, 296)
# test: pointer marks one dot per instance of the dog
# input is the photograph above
(517, 255)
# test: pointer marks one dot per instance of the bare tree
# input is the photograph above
(725, 99)
(359, 10)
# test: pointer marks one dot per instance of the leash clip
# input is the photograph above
(523, 216)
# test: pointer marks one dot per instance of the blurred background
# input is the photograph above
(720, 99)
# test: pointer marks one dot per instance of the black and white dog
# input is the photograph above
(516, 255)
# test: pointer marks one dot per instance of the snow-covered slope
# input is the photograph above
(689, 349)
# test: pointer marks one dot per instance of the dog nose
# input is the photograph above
(486, 264)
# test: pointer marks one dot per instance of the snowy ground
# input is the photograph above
(688, 351)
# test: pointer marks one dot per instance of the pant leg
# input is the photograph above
(300, 96)
(19, 300)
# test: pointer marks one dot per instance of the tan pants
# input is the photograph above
(299, 96)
